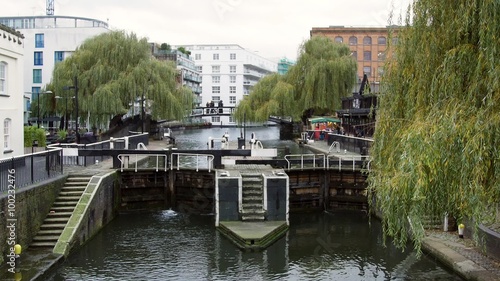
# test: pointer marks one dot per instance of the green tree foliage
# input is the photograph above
(325, 72)
(437, 136)
(113, 70)
(32, 134)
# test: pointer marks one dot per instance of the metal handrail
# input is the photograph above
(210, 159)
(334, 144)
(354, 158)
(123, 157)
(313, 156)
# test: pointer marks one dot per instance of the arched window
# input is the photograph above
(382, 40)
(354, 54)
(353, 40)
(3, 78)
(339, 39)
(367, 40)
(6, 134)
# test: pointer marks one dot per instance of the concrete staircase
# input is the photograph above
(61, 211)
(253, 207)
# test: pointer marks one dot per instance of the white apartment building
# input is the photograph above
(49, 40)
(228, 72)
(11, 93)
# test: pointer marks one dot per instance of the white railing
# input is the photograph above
(305, 159)
(335, 144)
(363, 162)
(197, 157)
(125, 160)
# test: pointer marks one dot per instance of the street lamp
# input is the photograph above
(65, 111)
(38, 100)
(75, 87)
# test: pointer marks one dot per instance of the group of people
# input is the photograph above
(212, 105)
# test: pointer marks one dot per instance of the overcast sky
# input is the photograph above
(273, 28)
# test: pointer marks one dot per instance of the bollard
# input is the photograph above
(17, 251)
(445, 226)
(461, 228)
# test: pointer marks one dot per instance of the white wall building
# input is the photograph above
(229, 72)
(48, 40)
(11, 93)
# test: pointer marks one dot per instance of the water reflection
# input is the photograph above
(322, 246)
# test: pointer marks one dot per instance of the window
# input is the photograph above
(353, 40)
(232, 79)
(197, 56)
(231, 119)
(38, 58)
(215, 90)
(215, 79)
(3, 78)
(6, 133)
(215, 119)
(367, 70)
(199, 68)
(232, 99)
(216, 56)
(215, 98)
(381, 40)
(232, 69)
(380, 70)
(58, 56)
(367, 40)
(215, 68)
(339, 39)
(354, 54)
(381, 56)
(232, 89)
(232, 56)
(395, 40)
(39, 40)
(367, 55)
(37, 76)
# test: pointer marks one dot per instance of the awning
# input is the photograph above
(323, 119)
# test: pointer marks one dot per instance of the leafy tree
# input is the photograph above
(32, 134)
(437, 136)
(325, 72)
(115, 69)
(165, 47)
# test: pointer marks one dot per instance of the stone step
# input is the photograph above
(71, 193)
(52, 226)
(62, 208)
(55, 214)
(76, 183)
(56, 220)
(252, 206)
(43, 244)
(50, 232)
(68, 198)
(251, 192)
(78, 178)
(252, 217)
(252, 199)
(46, 238)
(64, 203)
(73, 188)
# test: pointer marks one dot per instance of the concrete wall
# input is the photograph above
(96, 208)
(30, 209)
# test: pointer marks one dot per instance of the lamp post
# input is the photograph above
(65, 111)
(38, 100)
(75, 87)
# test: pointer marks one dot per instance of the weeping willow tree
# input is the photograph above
(114, 70)
(270, 96)
(325, 72)
(437, 136)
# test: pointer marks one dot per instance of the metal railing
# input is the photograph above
(125, 160)
(354, 162)
(302, 161)
(28, 169)
(205, 160)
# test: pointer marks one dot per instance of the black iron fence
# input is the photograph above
(28, 169)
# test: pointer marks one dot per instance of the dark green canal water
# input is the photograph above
(164, 245)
